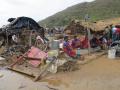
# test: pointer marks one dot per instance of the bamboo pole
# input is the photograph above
(88, 36)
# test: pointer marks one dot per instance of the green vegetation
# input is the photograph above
(97, 10)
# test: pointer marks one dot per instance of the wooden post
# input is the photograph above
(30, 37)
(88, 32)
(7, 38)
(89, 46)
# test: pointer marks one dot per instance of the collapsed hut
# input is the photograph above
(17, 26)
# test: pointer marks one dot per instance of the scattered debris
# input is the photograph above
(45, 69)
(68, 66)
(16, 27)
(30, 56)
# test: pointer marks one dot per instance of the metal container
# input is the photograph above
(55, 45)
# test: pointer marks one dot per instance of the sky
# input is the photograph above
(36, 9)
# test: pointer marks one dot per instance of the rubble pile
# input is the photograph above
(68, 66)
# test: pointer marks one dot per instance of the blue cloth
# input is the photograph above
(66, 45)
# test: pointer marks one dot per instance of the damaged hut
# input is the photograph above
(75, 28)
(80, 28)
(17, 26)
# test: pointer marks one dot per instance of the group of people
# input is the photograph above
(72, 48)
(109, 35)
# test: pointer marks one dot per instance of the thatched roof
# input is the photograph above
(75, 28)
(102, 24)
(95, 27)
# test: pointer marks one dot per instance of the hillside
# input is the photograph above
(97, 10)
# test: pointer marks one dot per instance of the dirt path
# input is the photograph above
(15, 81)
(100, 74)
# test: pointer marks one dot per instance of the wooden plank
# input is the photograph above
(30, 58)
(27, 69)
(45, 69)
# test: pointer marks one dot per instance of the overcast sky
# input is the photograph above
(36, 9)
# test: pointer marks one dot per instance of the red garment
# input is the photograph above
(85, 43)
(118, 30)
(75, 43)
(68, 49)
(98, 42)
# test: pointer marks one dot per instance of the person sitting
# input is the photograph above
(40, 43)
(70, 51)
(67, 48)
(95, 42)
(15, 39)
(75, 43)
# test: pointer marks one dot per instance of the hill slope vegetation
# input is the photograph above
(97, 10)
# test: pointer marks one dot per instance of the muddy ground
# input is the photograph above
(98, 74)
